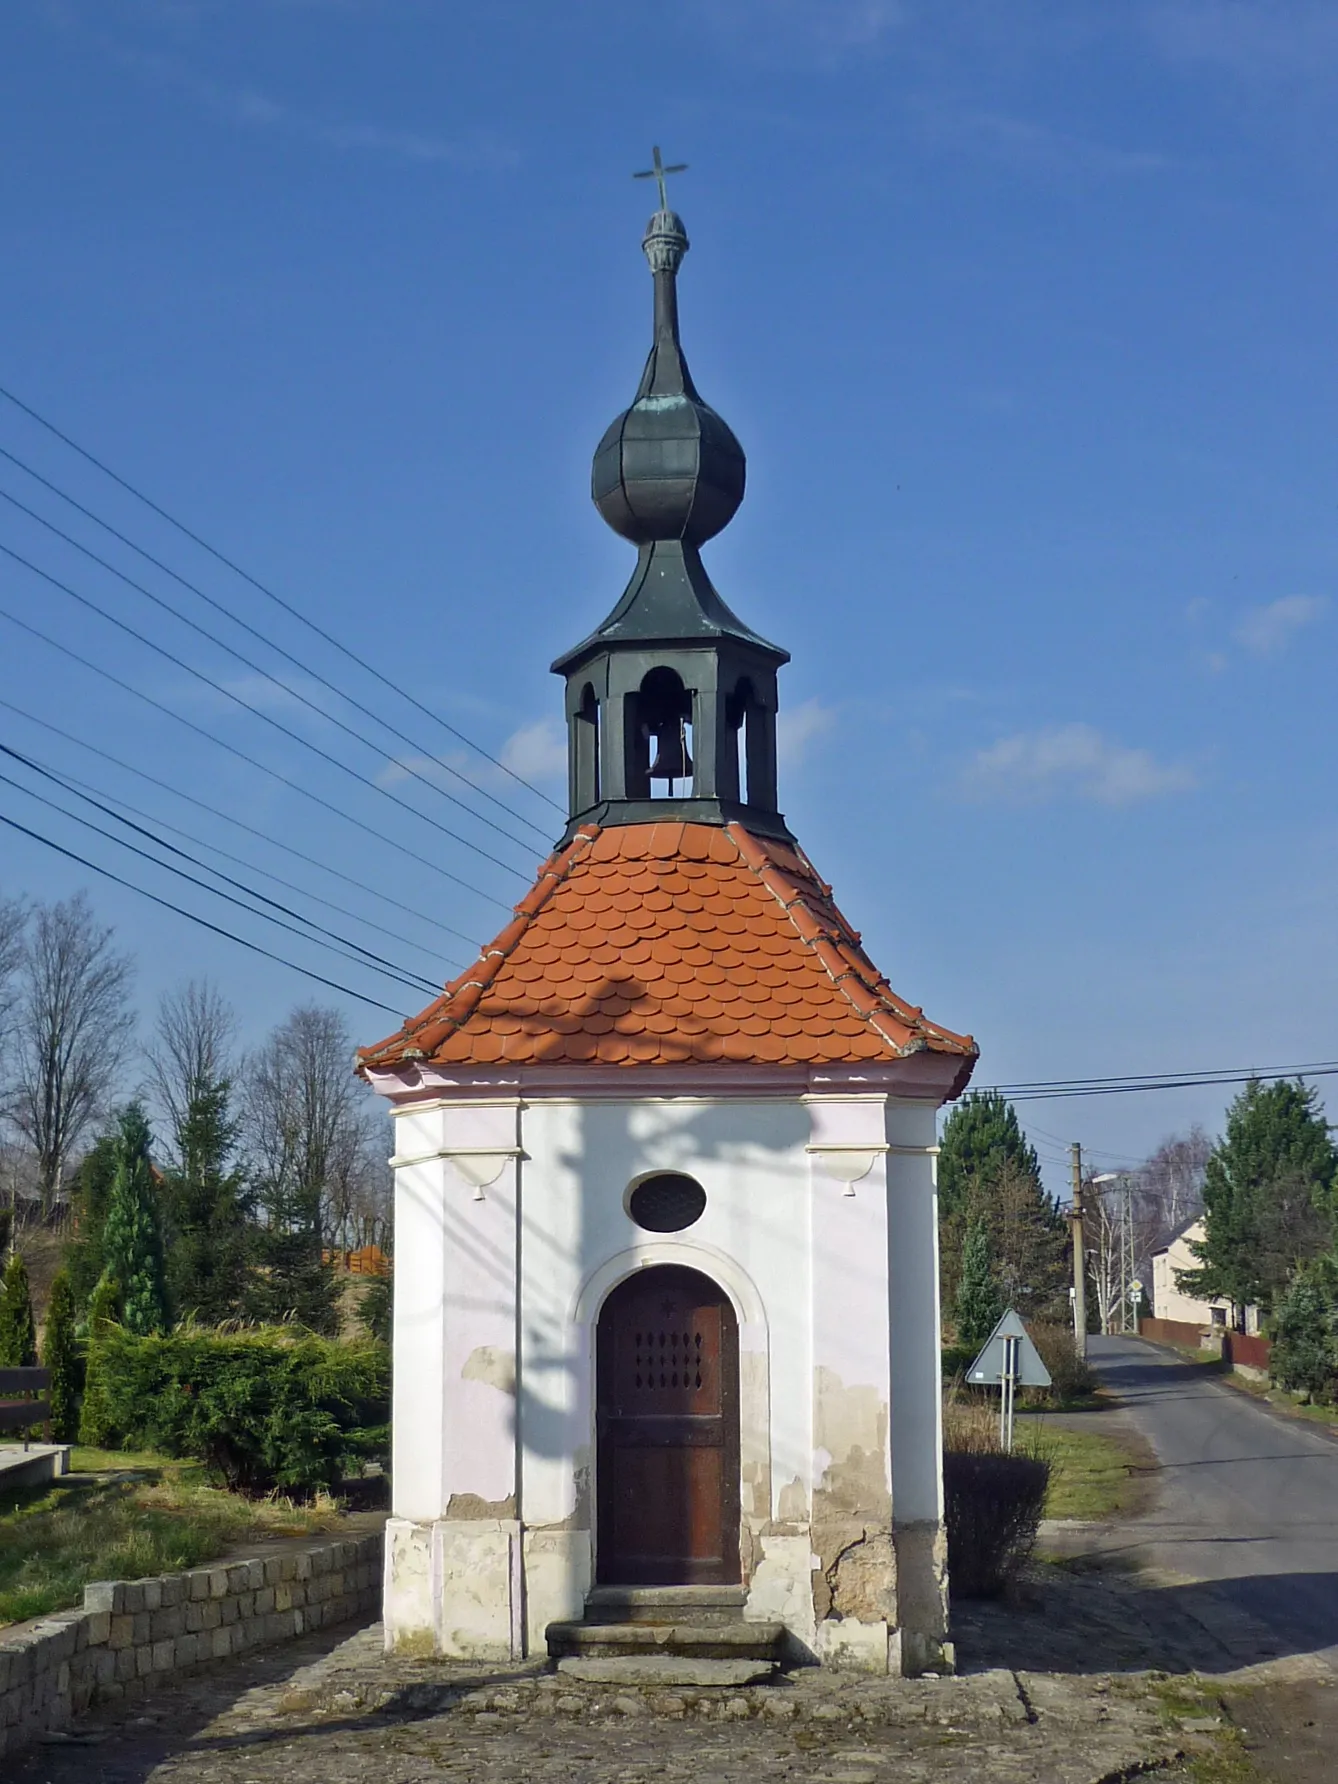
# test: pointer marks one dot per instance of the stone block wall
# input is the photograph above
(130, 1634)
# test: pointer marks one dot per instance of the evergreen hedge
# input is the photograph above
(274, 1408)
(18, 1333)
(60, 1354)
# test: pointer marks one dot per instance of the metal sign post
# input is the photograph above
(1011, 1360)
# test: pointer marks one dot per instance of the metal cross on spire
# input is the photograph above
(658, 172)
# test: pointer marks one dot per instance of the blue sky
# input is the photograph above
(1023, 315)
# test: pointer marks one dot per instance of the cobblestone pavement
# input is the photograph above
(330, 1711)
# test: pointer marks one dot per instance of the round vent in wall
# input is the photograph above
(667, 1203)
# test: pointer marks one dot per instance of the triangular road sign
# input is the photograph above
(989, 1366)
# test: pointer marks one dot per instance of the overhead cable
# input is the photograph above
(250, 829)
(232, 749)
(285, 687)
(295, 612)
(267, 718)
(1137, 1086)
(255, 632)
(191, 917)
(349, 951)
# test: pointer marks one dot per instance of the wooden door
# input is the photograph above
(667, 1385)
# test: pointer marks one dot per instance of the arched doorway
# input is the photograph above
(667, 1397)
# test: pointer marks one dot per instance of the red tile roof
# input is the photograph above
(666, 944)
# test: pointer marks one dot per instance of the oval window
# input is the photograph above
(667, 1203)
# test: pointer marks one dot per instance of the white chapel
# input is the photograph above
(666, 1331)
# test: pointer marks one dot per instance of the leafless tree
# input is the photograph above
(13, 917)
(1170, 1183)
(191, 1049)
(71, 1025)
(308, 1126)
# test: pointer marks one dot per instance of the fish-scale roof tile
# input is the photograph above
(671, 943)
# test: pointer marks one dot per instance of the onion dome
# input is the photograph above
(668, 467)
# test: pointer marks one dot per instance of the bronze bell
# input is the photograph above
(672, 761)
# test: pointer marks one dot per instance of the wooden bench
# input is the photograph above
(22, 1415)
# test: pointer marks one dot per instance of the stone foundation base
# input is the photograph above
(487, 1589)
(480, 1588)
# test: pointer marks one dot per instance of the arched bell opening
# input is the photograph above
(667, 1455)
(662, 762)
(751, 729)
(583, 752)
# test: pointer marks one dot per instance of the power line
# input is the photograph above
(237, 620)
(257, 712)
(1136, 1086)
(269, 594)
(190, 916)
(349, 951)
(74, 785)
(274, 681)
(232, 749)
(250, 829)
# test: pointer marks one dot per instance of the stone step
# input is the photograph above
(667, 1670)
(762, 1642)
(698, 1605)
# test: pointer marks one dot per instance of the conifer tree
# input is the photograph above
(981, 1136)
(91, 1191)
(208, 1261)
(104, 1310)
(132, 1235)
(979, 1303)
(1268, 1195)
(988, 1172)
(60, 1355)
(18, 1333)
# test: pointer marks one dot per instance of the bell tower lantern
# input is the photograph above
(671, 702)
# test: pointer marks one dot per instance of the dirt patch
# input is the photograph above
(1289, 1730)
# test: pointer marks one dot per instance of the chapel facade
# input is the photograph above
(666, 1268)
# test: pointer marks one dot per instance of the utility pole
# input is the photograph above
(1079, 1256)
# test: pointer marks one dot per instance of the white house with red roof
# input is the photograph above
(666, 1351)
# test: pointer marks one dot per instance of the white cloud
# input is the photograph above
(536, 752)
(1267, 631)
(1075, 760)
(267, 694)
(796, 728)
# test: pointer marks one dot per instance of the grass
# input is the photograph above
(1093, 1476)
(121, 1516)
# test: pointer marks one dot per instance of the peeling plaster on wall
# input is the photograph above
(792, 1507)
(468, 1506)
(492, 1365)
(852, 1504)
(750, 1553)
(922, 1563)
(578, 1518)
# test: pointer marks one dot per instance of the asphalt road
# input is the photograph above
(1247, 1499)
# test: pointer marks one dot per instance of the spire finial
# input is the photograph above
(665, 241)
(659, 172)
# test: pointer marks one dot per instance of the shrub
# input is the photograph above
(104, 1309)
(375, 1309)
(1070, 1376)
(1304, 1357)
(266, 1409)
(956, 1359)
(60, 1354)
(18, 1334)
(993, 1506)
